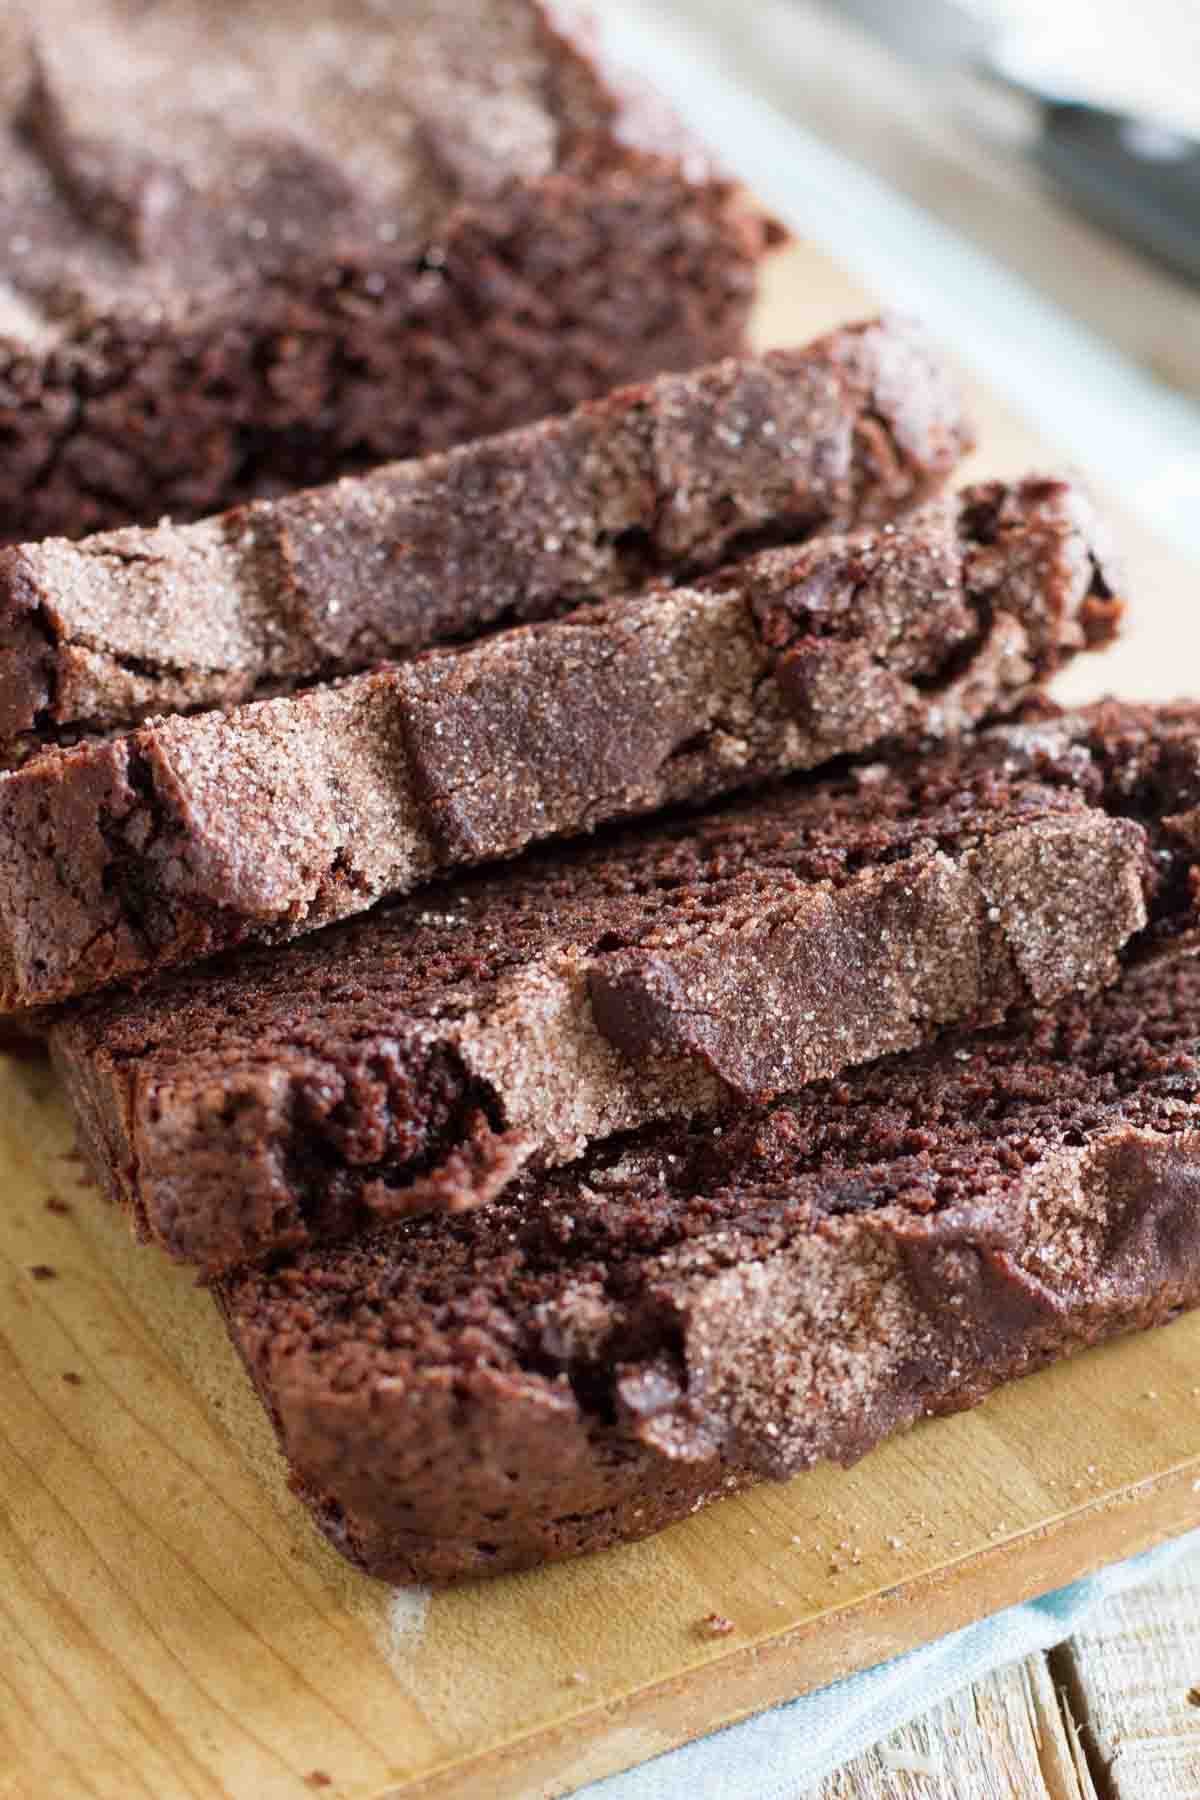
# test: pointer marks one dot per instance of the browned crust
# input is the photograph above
(285, 1097)
(662, 478)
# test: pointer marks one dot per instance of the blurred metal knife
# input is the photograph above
(1135, 175)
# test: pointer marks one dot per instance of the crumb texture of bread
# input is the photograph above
(686, 1310)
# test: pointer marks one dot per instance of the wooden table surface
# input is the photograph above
(1112, 1714)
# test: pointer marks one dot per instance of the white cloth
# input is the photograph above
(778, 1754)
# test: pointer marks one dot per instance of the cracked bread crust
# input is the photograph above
(195, 834)
(231, 267)
(691, 1309)
(282, 1097)
(656, 481)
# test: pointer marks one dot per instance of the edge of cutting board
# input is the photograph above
(748, 1680)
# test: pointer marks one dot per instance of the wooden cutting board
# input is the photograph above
(173, 1627)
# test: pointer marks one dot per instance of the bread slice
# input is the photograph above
(658, 480)
(697, 1307)
(418, 1058)
(242, 251)
(193, 834)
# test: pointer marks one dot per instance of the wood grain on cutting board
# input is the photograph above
(170, 1624)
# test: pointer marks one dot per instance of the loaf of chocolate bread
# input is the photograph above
(251, 246)
(693, 1308)
(197, 833)
(656, 481)
(418, 1058)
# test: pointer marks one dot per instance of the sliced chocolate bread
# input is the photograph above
(698, 1307)
(244, 248)
(417, 1058)
(194, 834)
(655, 481)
